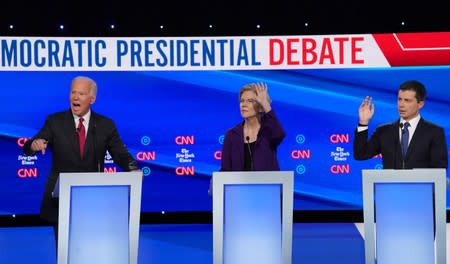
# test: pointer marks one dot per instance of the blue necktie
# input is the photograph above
(405, 138)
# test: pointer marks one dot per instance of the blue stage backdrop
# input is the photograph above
(173, 123)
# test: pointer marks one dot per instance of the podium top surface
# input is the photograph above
(437, 175)
(99, 178)
(253, 177)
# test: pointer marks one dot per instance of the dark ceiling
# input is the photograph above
(193, 18)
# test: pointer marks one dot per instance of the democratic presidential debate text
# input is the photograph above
(192, 53)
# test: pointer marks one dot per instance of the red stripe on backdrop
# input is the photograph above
(415, 49)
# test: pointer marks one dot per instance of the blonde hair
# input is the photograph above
(251, 87)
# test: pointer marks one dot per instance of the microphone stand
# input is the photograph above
(250, 151)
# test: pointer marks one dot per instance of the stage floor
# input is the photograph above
(314, 243)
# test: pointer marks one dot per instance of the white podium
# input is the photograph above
(99, 217)
(252, 217)
(405, 216)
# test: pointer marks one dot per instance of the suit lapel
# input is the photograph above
(397, 134)
(71, 132)
(397, 146)
(418, 134)
(89, 136)
(240, 150)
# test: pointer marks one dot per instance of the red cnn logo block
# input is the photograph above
(301, 154)
(21, 141)
(340, 169)
(110, 170)
(184, 140)
(339, 138)
(149, 155)
(180, 171)
(27, 173)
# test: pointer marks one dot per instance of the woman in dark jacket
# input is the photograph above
(252, 144)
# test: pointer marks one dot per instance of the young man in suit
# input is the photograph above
(407, 143)
(79, 139)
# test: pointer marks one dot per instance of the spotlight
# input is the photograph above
(306, 24)
(112, 26)
(258, 26)
(61, 27)
(11, 26)
(161, 27)
(210, 26)
(403, 23)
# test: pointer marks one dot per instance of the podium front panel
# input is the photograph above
(405, 216)
(404, 223)
(98, 230)
(252, 217)
(249, 219)
(99, 217)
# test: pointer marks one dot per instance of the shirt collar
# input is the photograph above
(86, 117)
(413, 122)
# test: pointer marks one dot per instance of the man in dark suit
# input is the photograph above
(407, 143)
(79, 139)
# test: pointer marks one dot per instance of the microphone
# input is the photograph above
(247, 138)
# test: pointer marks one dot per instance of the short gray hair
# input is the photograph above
(93, 86)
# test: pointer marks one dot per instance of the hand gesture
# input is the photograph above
(39, 144)
(366, 111)
(262, 96)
